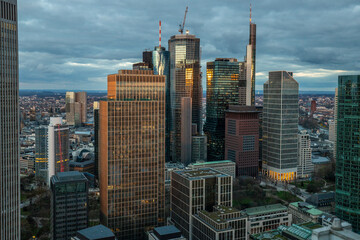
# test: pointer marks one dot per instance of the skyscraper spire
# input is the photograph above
(160, 34)
(250, 12)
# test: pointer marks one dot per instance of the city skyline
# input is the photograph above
(79, 48)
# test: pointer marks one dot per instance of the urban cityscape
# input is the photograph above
(173, 144)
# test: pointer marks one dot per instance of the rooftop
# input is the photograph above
(265, 209)
(307, 207)
(200, 173)
(167, 230)
(214, 162)
(68, 176)
(96, 232)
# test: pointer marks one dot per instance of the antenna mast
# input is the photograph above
(160, 34)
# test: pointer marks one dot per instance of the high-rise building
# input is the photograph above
(313, 107)
(76, 108)
(69, 204)
(199, 148)
(186, 130)
(9, 123)
(223, 88)
(148, 58)
(196, 190)
(280, 126)
(58, 147)
(250, 65)
(161, 66)
(185, 81)
(242, 139)
(335, 121)
(347, 203)
(41, 159)
(96, 107)
(305, 165)
(132, 153)
(332, 137)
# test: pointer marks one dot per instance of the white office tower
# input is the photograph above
(305, 165)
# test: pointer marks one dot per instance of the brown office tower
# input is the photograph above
(132, 153)
(242, 139)
(185, 81)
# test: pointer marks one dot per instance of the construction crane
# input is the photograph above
(60, 150)
(181, 29)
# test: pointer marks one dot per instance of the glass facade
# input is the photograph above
(185, 81)
(347, 200)
(132, 153)
(252, 42)
(161, 66)
(280, 125)
(223, 85)
(9, 123)
(41, 159)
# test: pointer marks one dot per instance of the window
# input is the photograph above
(232, 127)
(248, 143)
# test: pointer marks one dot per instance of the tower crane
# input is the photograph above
(181, 29)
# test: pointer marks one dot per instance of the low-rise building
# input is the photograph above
(266, 218)
(304, 212)
(334, 232)
(223, 223)
(99, 232)
(323, 201)
(165, 233)
(225, 166)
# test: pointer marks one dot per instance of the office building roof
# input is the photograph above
(213, 162)
(200, 173)
(307, 207)
(96, 232)
(68, 176)
(167, 232)
(265, 209)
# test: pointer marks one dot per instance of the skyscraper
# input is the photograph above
(305, 165)
(161, 66)
(185, 81)
(132, 153)
(96, 107)
(9, 123)
(223, 88)
(58, 147)
(186, 130)
(69, 204)
(250, 64)
(41, 159)
(280, 126)
(347, 200)
(336, 121)
(242, 139)
(76, 108)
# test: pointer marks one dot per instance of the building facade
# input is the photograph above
(132, 153)
(305, 165)
(196, 190)
(41, 159)
(69, 204)
(251, 65)
(186, 130)
(347, 205)
(304, 212)
(9, 123)
(58, 147)
(198, 148)
(242, 139)
(96, 107)
(280, 126)
(185, 81)
(76, 108)
(223, 88)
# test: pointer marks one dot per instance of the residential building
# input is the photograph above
(304, 212)
(347, 192)
(76, 108)
(323, 201)
(186, 130)
(305, 166)
(334, 232)
(99, 232)
(69, 204)
(41, 159)
(199, 148)
(96, 107)
(242, 139)
(224, 166)
(222, 223)
(222, 76)
(165, 233)
(9, 123)
(132, 153)
(194, 190)
(332, 137)
(58, 147)
(268, 217)
(280, 126)
(185, 81)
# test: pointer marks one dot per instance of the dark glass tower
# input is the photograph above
(9, 123)
(223, 84)
(252, 42)
(185, 81)
(347, 205)
(161, 66)
(41, 159)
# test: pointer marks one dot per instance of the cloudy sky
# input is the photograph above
(75, 44)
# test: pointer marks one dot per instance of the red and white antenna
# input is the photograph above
(160, 34)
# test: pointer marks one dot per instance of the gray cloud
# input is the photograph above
(76, 44)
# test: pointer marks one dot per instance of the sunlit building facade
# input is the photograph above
(223, 84)
(280, 126)
(185, 81)
(347, 198)
(9, 123)
(132, 153)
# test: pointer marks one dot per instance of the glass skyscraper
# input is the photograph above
(9, 123)
(132, 153)
(280, 126)
(41, 159)
(223, 89)
(347, 205)
(185, 81)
